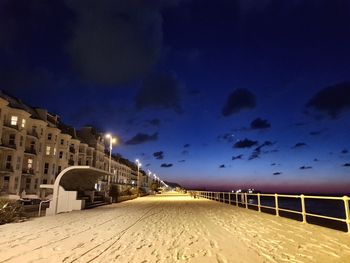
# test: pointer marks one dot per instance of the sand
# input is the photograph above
(170, 228)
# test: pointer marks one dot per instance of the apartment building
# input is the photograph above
(35, 146)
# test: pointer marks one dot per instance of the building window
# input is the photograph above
(60, 155)
(23, 123)
(8, 162)
(59, 169)
(53, 169)
(16, 182)
(46, 168)
(12, 139)
(49, 136)
(44, 181)
(40, 148)
(21, 141)
(28, 181)
(54, 151)
(14, 120)
(6, 182)
(62, 141)
(48, 149)
(30, 164)
(36, 184)
(32, 146)
(18, 164)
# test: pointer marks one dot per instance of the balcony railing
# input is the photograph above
(29, 171)
(6, 169)
(30, 151)
(8, 145)
(8, 124)
(33, 134)
(278, 206)
(71, 149)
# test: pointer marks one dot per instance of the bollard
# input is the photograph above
(276, 204)
(346, 206)
(259, 207)
(246, 200)
(236, 199)
(303, 211)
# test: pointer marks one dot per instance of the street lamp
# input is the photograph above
(112, 140)
(138, 175)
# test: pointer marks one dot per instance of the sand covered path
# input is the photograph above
(170, 228)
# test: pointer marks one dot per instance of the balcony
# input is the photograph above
(71, 150)
(29, 171)
(8, 146)
(70, 162)
(30, 151)
(6, 169)
(8, 124)
(33, 134)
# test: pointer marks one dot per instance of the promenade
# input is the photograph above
(170, 228)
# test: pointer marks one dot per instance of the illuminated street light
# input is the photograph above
(138, 175)
(112, 140)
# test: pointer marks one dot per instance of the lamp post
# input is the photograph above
(138, 175)
(112, 140)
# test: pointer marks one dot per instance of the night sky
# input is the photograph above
(210, 94)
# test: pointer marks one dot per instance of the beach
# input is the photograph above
(170, 227)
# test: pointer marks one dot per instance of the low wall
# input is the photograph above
(125, 198)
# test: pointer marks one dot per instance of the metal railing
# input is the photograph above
(248, 200)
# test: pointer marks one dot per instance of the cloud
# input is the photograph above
(148, 165)
(237, 157)
(346, 164)
(273, 164)
(185, 152)
(333, 100)
(159, 90)
(115, 42)
(142, 138)
(257, 151)
(298, 145)
(222, 166)
(182, 161)
(305, 167)
(166, 165)
(315, 133)
(159, 155)
(277, 173)
(154, 122)
(345, 151)
(316, 160)
(229, 137)
(238, 100)
(246, 143)
(186, 145)
(259, 124)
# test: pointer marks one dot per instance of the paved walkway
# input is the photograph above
(170, 228)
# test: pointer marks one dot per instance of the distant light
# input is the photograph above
(108, 135)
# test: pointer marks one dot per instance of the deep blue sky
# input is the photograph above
(222, 94)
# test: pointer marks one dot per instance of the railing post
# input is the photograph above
(259, 207)
(303, 211)
(236, 199)
(276, 205)
(246, 200)
(229, 198)
(346, 206)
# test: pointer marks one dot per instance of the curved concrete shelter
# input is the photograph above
(68, 183)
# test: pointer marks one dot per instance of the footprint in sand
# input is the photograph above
(214, 244)
(220, 258)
